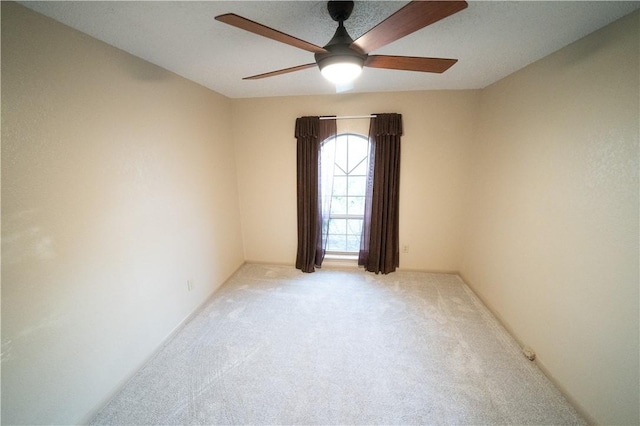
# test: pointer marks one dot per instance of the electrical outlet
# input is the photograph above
(405, 248)
(189, 285)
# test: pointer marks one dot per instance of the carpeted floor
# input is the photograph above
(276, 346)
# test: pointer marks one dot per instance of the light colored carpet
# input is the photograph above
(276, 346)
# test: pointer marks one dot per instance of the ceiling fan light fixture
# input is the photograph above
(341, 69)
(341, 72)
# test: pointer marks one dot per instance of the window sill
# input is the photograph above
(335, 256)
(341, 260)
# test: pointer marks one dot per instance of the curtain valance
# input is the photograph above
(307, 127)
(387, 124)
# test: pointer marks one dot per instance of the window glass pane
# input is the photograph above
(353, 243)
(360, 169)
(336, 242)
(337, 226)
(339, 185)
(357, 185)
(341, 155)
(358, 150)
(338, 205)
(354, 227)
(337, 171)
(348, 169)
(355, 206)
(328, 149)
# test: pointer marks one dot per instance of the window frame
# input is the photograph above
(346, 216)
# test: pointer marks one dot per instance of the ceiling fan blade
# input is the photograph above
(412, 17)
(410, 63)
(282, 71)
(256, 28)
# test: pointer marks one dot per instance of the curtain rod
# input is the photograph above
(348, 117)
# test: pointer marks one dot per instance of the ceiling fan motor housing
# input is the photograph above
(339, 49)
(340, 54)
(340, 10)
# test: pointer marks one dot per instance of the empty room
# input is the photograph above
(273, 212)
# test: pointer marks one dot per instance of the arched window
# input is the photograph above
(345, 161)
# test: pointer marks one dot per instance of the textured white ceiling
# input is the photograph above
(491, 39)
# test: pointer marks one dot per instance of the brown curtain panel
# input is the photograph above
(380, 243)
(310, 132)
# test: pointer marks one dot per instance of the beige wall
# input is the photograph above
(552, 241)
(116, 191)
(435, 151)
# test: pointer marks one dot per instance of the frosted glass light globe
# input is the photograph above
(342, 72)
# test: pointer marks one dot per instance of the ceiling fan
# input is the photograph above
(341, 59)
